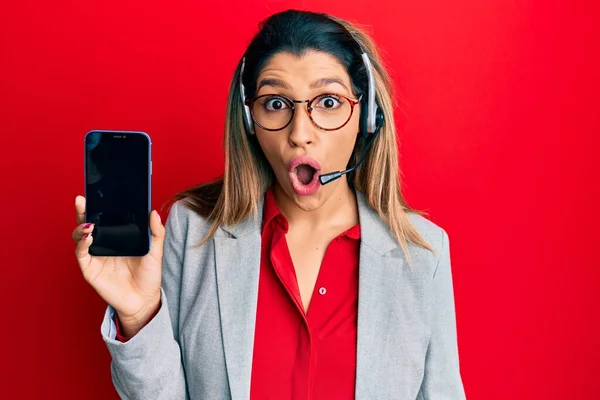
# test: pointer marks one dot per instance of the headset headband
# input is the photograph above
(371, 104)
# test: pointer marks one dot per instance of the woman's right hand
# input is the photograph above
(131, 285)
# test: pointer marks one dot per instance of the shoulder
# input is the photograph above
(191, 207)
(433, 233)
(183, 219)
(436, 236)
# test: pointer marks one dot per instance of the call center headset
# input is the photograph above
(370, 121)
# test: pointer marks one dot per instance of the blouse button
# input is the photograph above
(322, 291)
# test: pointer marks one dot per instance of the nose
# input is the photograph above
(302, 130)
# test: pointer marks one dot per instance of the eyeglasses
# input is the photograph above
(329, 112)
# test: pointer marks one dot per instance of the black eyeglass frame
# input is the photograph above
(250, 102)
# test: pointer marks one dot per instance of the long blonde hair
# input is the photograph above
(238, 193)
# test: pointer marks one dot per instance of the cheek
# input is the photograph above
(270, 144)
(340, 144)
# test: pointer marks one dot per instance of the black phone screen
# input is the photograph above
(117, 188)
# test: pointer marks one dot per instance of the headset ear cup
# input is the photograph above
(379, 119)
(364, 114)
(248, 123)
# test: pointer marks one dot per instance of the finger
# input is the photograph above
(81, 230)
(158, 236)
(82, 251)
(80, 209)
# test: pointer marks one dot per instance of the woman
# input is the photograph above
(273, 282)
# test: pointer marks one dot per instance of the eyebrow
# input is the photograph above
(274, 82)
(327, 81)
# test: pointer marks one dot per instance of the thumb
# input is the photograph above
(158, 236)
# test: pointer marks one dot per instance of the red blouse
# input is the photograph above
(300, 355)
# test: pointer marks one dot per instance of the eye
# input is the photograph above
(275, 103)
(328, 102)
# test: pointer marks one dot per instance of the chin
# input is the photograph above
(308, 202)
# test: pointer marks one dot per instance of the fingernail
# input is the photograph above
(159, 219)
(87, 225)
(85, 236)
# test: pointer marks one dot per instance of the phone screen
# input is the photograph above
(117, 189)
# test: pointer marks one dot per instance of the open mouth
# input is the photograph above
(304, 174)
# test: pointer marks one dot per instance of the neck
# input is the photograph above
(338, 209)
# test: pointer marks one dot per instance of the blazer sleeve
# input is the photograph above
(442, 379)
(149, 366)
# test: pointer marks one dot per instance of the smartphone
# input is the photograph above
(118, 177)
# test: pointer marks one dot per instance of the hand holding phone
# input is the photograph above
(129, 284)
(119, 240)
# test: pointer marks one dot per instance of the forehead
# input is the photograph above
(305, 69)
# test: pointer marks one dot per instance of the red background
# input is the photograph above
(498, 143)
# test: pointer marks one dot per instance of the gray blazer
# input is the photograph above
(199, 345)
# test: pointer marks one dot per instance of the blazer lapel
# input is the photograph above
(379, 288)
(237, 263)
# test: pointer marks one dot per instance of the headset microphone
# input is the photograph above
(332, 176)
